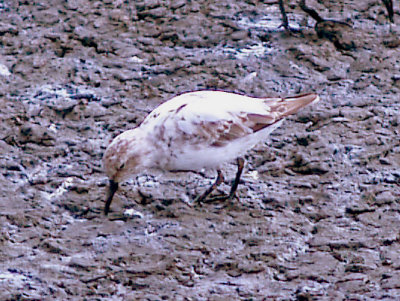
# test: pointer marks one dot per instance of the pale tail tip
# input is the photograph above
(306, 99)
(310, 98)
(316, 98)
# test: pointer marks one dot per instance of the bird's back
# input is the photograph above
(205, 128)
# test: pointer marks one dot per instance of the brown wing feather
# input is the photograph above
(220, 133)
(291, 105)
(259, 122)
(227, 131)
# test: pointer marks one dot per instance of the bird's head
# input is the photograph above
(123, 158)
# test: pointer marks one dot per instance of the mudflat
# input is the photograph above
(318, 209)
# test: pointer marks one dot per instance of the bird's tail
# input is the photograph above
(290, 105)
(279, 108)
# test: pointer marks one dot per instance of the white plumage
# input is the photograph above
(197, 130)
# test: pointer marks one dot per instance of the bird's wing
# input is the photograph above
(222, 132)
(217, 122)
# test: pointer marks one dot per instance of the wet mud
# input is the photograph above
(318, 212)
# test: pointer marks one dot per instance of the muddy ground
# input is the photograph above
(319, 210)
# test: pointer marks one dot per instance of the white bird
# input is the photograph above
(197, 130)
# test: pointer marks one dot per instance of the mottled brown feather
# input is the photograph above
(221, 133)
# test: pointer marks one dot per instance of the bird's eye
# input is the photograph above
(122, 166)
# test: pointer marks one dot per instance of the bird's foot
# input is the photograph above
(217, 198)
(288, 29)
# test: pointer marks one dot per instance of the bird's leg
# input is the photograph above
(389, 7)
(240, 162)
(218, 181)
(285, 22)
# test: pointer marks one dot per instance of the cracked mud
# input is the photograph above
(318, 213)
